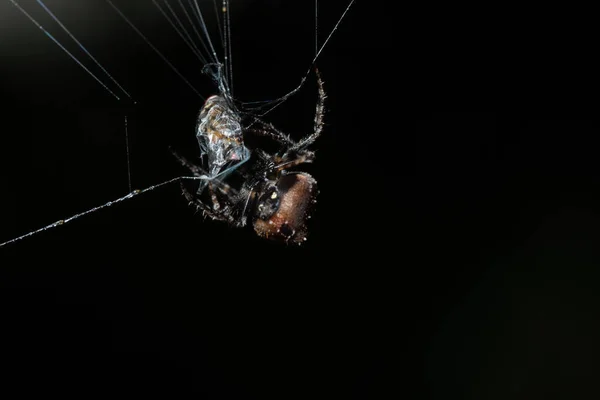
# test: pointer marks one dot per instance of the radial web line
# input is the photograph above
(153, 47)
(64, 49)
(207, 56)
(228, 56)
(225, 39)
(218, 19)
(178, 26)
(277, 102)
(316, 27)
(100, 207)
(182, 27)
(127, 149)
(181, 31)
(200, 23)
(205, 30)
(191, 21)
(82, 47)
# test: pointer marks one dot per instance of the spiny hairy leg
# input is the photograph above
(319, 117)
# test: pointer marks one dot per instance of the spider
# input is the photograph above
(237, 184)
(277, 200)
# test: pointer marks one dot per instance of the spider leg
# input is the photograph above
(219, 211)
(199, 172)
(213, 197)
(319, 118)
(269, 131)
(200, 206)
(301, 158)
(196, 170)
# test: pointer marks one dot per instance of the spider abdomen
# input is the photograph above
(295, 195)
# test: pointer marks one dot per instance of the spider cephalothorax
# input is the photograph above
(238, 185)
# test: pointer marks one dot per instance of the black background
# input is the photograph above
(453, 253)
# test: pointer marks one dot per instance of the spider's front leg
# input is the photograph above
(319, 118)
(269, 131)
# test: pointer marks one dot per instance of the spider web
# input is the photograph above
(72, 41)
